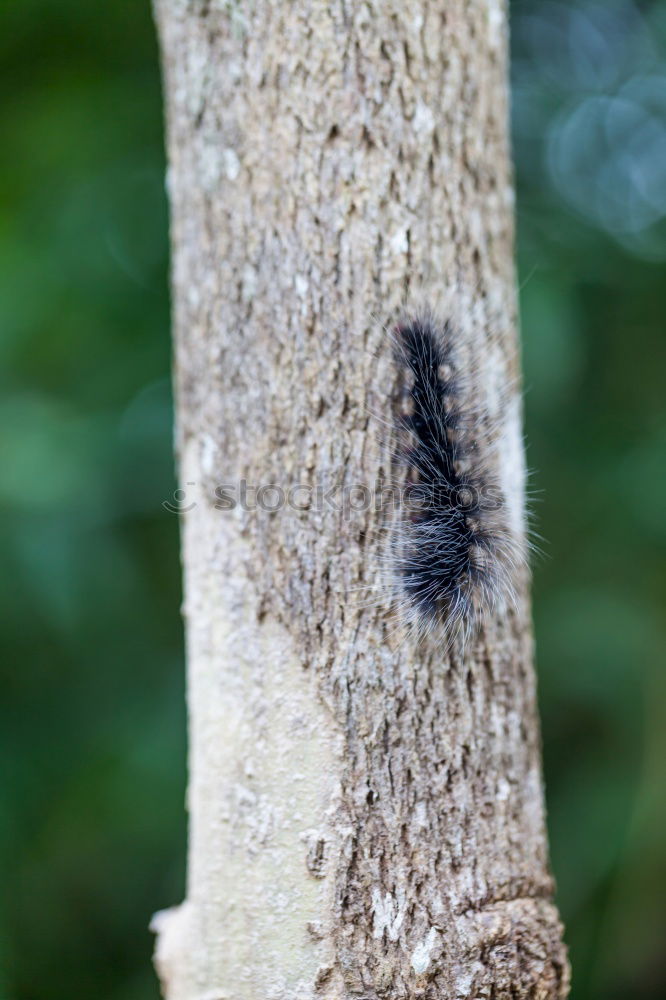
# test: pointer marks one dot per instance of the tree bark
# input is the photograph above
(366, 810)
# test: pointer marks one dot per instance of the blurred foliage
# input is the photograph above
(589, 128)
(92, 827)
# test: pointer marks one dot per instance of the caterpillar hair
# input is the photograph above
(452, 551)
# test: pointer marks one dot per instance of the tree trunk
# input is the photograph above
(366, 810)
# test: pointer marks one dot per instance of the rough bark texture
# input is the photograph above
(366, 814)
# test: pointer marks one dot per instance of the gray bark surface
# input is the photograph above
(366, 810)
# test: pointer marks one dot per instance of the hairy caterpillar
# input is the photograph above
(452, 551)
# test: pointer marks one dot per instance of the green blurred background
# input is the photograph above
(92, 724)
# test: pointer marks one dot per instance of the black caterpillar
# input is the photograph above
(453, 554)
